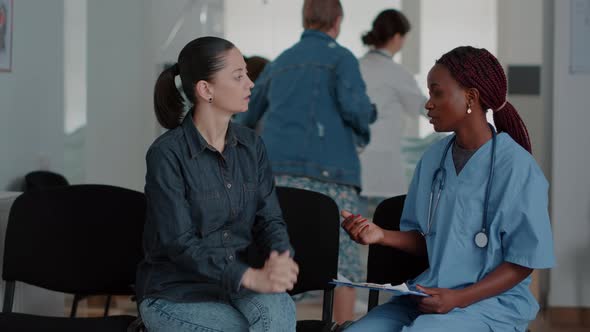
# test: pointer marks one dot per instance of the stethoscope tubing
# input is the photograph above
(442, 179)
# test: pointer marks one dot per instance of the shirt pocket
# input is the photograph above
(249, 198)
(207, 210)
(470, 217)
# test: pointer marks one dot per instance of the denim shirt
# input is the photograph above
(204, 208)
(316, 110)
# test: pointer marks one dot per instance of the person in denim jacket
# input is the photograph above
(210, 195)
(316, 113)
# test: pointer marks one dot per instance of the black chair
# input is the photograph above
(40, 180)
(386, 264)
(313, 223)
(82, 239)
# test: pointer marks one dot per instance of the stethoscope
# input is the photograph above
(481, 238)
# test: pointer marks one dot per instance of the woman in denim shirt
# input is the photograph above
(316, 112)
(210, 194)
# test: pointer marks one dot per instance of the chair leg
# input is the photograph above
(107, 305)
(77, 298)
(8, 296)
(373, 299)
(328, 305)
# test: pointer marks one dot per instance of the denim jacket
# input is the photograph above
(316, 110)
(204, 208)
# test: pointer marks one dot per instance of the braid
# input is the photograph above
(508, 120)
(477, 68)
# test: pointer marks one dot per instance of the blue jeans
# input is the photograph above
(247, 311)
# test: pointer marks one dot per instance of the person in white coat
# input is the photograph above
(399, 102)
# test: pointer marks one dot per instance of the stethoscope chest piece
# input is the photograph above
(481, 239)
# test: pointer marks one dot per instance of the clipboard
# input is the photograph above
(400, 290)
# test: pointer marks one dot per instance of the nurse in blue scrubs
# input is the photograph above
(477, 206)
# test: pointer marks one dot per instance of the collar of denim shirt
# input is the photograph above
(316, 34)
(197, 143)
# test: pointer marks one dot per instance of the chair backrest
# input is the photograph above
(386, 264)
(313, 223)
(39, 180)
(82, 239)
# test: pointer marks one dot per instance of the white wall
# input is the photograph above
(570, 194)
(31, 96)
(520, 42)
(75, 47)
(445, 25)
(75, 102)
(184, 21)
(520, 31)
(117, 103)
(448, 24)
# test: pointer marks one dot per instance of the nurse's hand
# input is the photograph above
(440, 301)
(278, 275)
(360, 229)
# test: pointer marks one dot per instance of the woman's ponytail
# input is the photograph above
(507, 119)
(168, 102)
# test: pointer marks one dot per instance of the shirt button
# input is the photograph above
(230, 257)
(325, 173)
(228, 186)
(225, 235)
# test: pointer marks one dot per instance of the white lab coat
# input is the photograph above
(399, 102)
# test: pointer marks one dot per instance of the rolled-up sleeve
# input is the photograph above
(169, 220)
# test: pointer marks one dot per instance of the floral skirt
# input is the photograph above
(347, 198)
